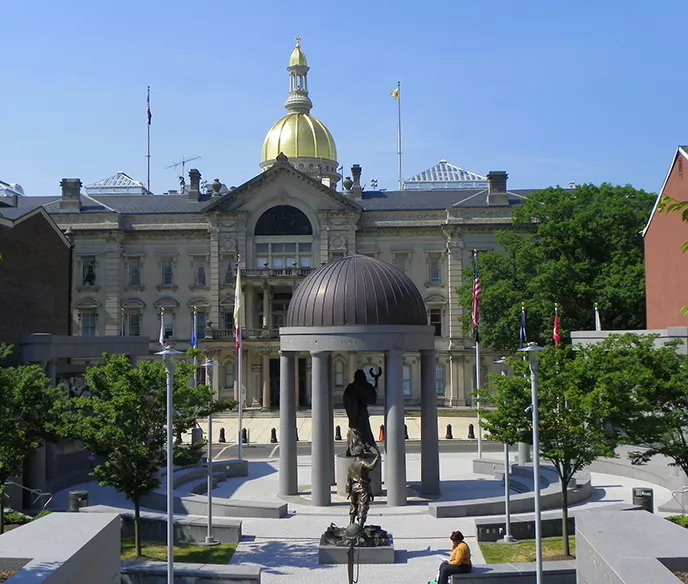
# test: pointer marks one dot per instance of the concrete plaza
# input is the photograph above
(287, 548)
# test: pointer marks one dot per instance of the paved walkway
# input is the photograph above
(287, 548)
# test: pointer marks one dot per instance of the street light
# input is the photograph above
(167, 353)
(209, 539)
(507, 536)
(532, 349)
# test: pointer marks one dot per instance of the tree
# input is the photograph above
(122, 421)
(574, 420)
(572, 247)
(26, 416)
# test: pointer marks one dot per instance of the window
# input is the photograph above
(228, 320)
(336, 255)
(89, 323)
(229, 374)
(339, 374)
(401, 262)
(200, 325)
(227, 271)
(283, 256)
(168, 324)
(434, 269)
(436, 320)
(167, 273)
(439, 379)
(134, 324)
(199, 273)
(406, 380)
(283, 220)
(88, 270)
(135, 272)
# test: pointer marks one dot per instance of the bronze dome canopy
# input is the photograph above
(356, 290)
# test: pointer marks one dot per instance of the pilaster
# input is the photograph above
(215, 276)
(111, 270)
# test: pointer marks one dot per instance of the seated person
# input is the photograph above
(459, 562)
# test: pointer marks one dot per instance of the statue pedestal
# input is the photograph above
(343, 463)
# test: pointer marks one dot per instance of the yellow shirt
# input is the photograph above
(461, 554)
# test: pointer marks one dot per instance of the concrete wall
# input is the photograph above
(666, 267)
(34, 280)
(156, 573)
(66, 548)
(625, 547)
(679, 333)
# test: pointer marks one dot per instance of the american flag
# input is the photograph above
(475, 309)
(149, 115)
(555, 330)
(522, 336)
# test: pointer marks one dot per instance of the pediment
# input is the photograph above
(281, 184)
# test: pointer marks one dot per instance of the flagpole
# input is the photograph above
(148, 154)
(239, 368)
(399, 135)
(475, 316)
(194, 344)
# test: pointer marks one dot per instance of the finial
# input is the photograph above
(298, 40)
(194, 309)
(475, 251)
(523, 305)
(162, 310)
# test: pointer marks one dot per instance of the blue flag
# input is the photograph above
(193, 330)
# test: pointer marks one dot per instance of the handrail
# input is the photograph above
(36, 492)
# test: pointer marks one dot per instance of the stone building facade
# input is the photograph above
(136, 253)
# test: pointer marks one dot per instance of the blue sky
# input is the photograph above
(551, 91)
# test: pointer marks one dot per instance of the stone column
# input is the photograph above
(110, 272)
(297, 397)
(266, 379)
(352, 366)
(395, 467)
(51, 372)
(214, 276)
(249, 310)
(309, 380)
(330, 418)
(321, 475)
(429, 439)
(288, 477)
(266, 307)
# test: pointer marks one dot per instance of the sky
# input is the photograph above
(550, 91)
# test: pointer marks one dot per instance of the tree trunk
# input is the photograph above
(2, 508)
(137, 525)
(565, 516)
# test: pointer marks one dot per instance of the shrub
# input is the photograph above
(681, 520)
(42, 514)
(14, 518)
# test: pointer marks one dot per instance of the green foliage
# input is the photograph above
(575, 248)
(123, 420)
(14, 518)
(43, 513)
(27, 417)
(681, 520)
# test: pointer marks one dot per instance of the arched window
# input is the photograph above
(339, 373)
(283, 220)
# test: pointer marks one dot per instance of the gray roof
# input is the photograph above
(14, 213)
(415, 200)
(356, 290)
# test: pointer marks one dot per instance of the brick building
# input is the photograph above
(34, 273)
(666, 267)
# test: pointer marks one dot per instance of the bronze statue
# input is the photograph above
(358, 483)
(358, 395)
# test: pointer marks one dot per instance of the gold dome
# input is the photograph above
(297, 57)
(299, 135)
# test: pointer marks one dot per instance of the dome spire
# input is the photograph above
(298, 101)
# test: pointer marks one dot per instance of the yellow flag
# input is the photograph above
(395, 94)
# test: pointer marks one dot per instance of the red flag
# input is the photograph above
(475, 308)
(555, 330)
(149, 115)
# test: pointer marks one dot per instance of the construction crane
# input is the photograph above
(183, 162)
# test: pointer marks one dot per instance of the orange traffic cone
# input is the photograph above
(381, 437)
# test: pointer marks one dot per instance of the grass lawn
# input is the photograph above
(193, 553)
(524, 551)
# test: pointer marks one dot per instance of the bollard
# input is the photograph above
(337, 433)
(244, 436)
(297, 435)
(405, 432)
(449, 435)
(381, 437)
(471, 432)
(273, 436)
(222, 439)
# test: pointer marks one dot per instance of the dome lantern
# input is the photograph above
(305, 140)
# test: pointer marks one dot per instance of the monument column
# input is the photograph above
(429, 442)
(321, 478)
(288, 477)
(266, 379)
(395, 473)
(297, 397)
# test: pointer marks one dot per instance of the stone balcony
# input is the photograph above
(246, 334)
(275, 273)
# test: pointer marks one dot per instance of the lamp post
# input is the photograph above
(209, 539)
(507, 536)
(532, 350)
(167, 353)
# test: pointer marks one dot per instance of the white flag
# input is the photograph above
(237, 306)
(598, 323)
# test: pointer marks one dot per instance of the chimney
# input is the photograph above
(71, 190)
(496, 188)
(356, 174)
(194, 185)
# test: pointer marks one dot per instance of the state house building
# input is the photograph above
(135, 253)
